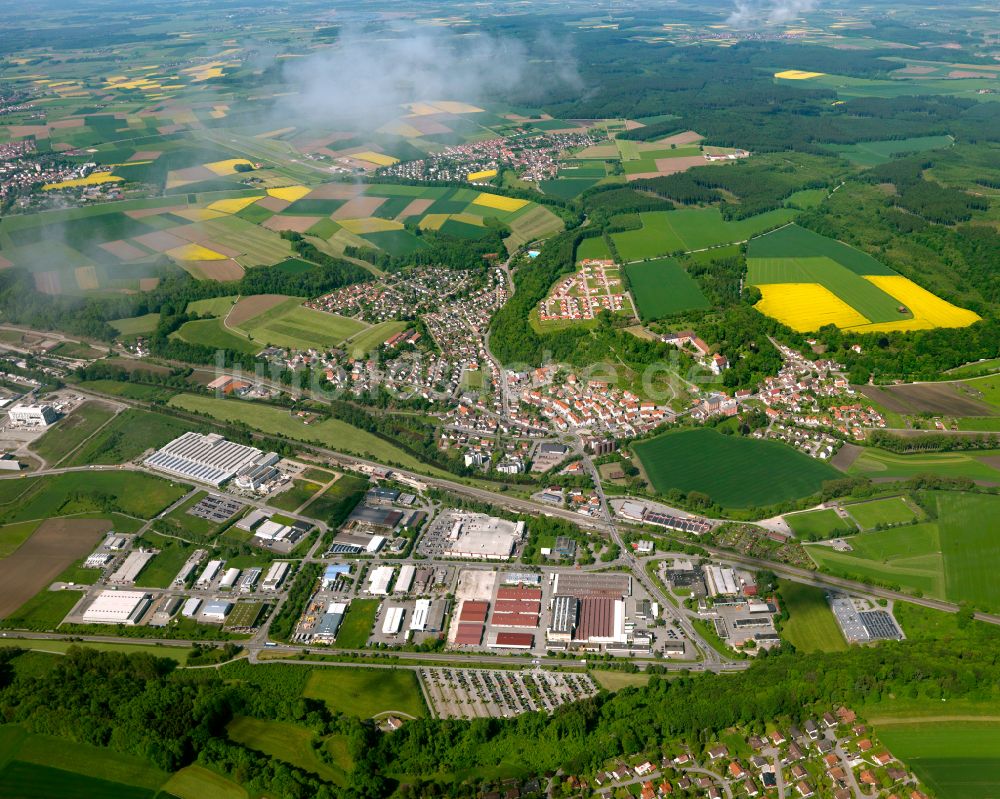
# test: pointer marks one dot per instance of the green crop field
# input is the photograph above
(793, 241)
(44, 611)
(177, 653)
(955, 759)
(811, 626)
(197, 782)
(876, 463)
(366, 692)
(331, 433)
(282, 741)
(13, 535)
(953, 558)
(213, 306)
(593, 248)
(666, 232)
(815, 525)
(213, 333)
(291, 325)
(136, 325)
(872, 153)
(132, 493)
(663, 287)
(735, 472)
(889, 511)
(20, 780)
(137, 391)
(364, 342)
(358, 623)
(72, 431)
(130, 434)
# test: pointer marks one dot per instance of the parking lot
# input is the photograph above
(476, 693)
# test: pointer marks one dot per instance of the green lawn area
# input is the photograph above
(178, 653)
(289, 324)
(13, 535)
(357, 624)
(180, 522)
(888, 512)
(811, 626)
(129, 435)
(667, 232)
(213, 306)
(300, 492)
(197, 782)
(662, 288)
(121, 388)
(734, 471)
(331, 433)
(366, 692)
(287, 742)
(815, 525)
(44, 611)
(956, 759)
(161, 570)
(20, 780)
(879, 463)
(72, 431)
(616, 680)
(132, 493)
(593, 248)
(364, 342)
(955, 557)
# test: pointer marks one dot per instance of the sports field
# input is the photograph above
(815, 525)
(955, 759)
(876, 463)
(366, 692)
(735, 472)
(663, 287)
(955, 557)
(808, 281)
(667, 232)
(811, 626)
(889, 511)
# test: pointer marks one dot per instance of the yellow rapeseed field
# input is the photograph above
(93, 179)
(928, 309)
(798, 74)
(290, 193)
(195, 252)
(483, 175)
(806, 307)
(452, 107)
(234, 205)
(433, 221)
(369, 224)
(373, 157)
(227, 167)
(498, 202)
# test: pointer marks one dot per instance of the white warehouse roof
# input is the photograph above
(405, 580)
(206, 458)
(379, 579)
(117, 607)
(393, 621)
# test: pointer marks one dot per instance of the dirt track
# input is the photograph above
(42, 558)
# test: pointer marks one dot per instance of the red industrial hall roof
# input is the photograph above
(469, 634)
(515, 606)
(520, 593)
(473, 611)
(515, 639)
(514, 620)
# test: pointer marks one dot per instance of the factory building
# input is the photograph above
(229, 579)
(216, 610)
(329, 623)
(208, 458)
(565, 610)
(275, 575)
(117, 607)
(379, 579)
(131, 566)
(418, 621)
(210, 573)
(32, 415)
(190, 608)
(393, 621)
(722, 581)
(405, 580)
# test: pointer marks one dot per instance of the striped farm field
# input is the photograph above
(807, 281)
(662, 287)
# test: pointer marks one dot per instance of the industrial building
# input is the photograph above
(722, 581)
(612, 585)
(117, 607)
(275, 575)
(329, 623)
(131, 567)
(229, 579)
(504, 640)
(210, 573)
(216, 610)
(190, 608)
(479, 537)
(208, 458)
(333, 573)
(418, 621)
(379, 579)
(565, 610)
(405, 580)
(601, 621)
(393, 621)
(40, 416)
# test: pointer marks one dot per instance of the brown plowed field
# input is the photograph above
(249, 307)
(937, 398)
(43, 557)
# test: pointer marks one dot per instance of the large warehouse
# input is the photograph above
(208, 458)
(483, 538)
(117, 607)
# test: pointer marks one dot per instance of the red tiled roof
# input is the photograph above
(469, 634)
